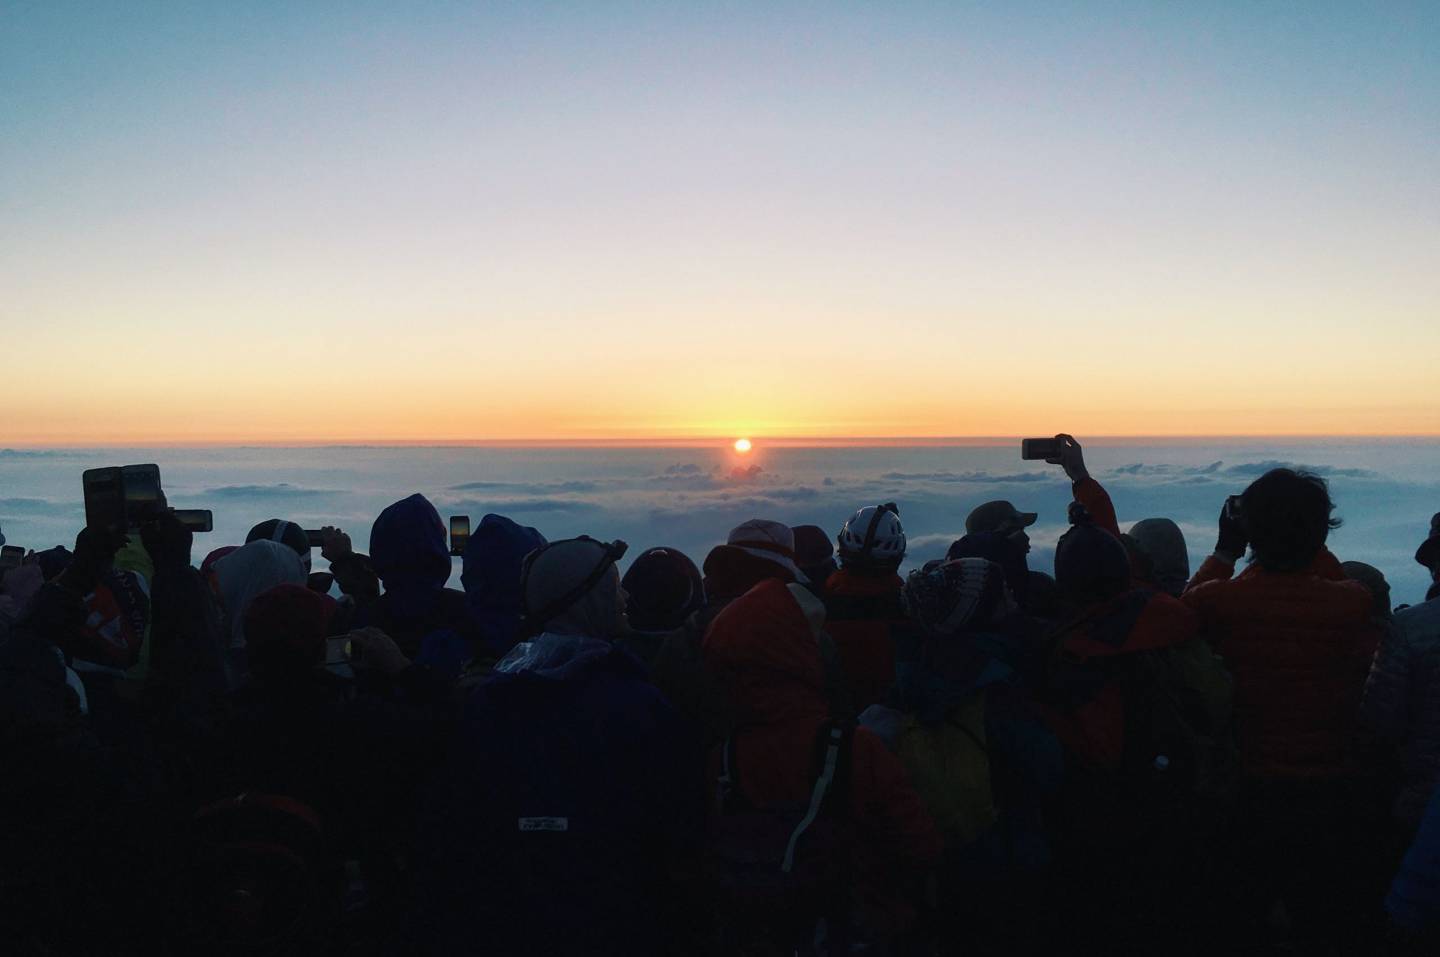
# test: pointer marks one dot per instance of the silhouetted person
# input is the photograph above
(554, 824)
(1299, 638)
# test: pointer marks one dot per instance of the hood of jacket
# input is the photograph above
(764, 648)
(249, 571)
(491, 577)
(1164, 544)
(409, 552)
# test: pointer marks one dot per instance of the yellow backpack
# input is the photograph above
(949, 764)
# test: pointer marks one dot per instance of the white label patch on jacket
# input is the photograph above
(544, 824)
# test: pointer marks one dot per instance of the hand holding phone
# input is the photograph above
(1038, 450)
(1233, 538)
(459, 534)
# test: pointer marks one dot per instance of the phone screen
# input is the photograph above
(11, 556)
(104, 498)
(142, 490)
(459, 533)
(1035, 449)
(196, 519)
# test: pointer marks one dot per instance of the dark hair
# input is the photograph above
(1090, 565)
(1287, 516)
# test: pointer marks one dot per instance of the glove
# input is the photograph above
(95, 549)
(166, 540)
(1233, 539)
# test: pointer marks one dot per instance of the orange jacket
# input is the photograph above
(1299, 645)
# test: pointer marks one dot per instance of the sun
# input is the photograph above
(742, 446)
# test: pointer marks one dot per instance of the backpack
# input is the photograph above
(949, 764)
(1180, 704)
(781, 872)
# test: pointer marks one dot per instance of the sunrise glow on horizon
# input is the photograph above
(278, 223)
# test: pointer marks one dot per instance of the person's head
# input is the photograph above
(1287, 516)
(286, 533)
(1373, 579)
(754, 551)
(1161, 545)
(1004, 550)
(491, 577)
(955, 596)
(814, 552)
(285, 631)
(872, 541)
(664, 588)
(769, 541)
(250, 571)
(572, 587)
(1428, 554)
(1001, 518)
(408, 547)
(1090, 565)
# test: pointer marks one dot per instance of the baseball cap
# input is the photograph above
(994, 516)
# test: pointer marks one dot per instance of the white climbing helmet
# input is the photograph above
(873, 535)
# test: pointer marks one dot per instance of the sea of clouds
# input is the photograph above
(689, 498)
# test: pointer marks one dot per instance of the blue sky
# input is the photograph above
(1221, 197)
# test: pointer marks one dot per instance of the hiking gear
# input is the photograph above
(556, 566)
(781, 869)
(873, 536)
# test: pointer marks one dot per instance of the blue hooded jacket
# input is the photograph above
(549, 829)
(429, 622)
(491, 576)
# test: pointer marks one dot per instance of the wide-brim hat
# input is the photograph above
(772, 541)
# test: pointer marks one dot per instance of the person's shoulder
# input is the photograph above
(1420, 620)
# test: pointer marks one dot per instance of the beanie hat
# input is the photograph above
(947, 597)
(286, 627)
(1091, 563)
(664, 588)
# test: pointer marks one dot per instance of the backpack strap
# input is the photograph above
(835, 739)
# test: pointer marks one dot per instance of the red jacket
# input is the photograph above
(763, 648)
(1300, 646)
(860, 610)
(1085, 705)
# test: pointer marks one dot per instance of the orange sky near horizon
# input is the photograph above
(311, 223)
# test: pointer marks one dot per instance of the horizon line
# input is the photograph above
(759, 440)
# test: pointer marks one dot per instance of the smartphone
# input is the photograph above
(195, 519)
(337, 651)
(11, 556)
(459, 533)
(142, 491)
(104, 498)
(1232, 508)
(315, 537)
(1041, 449)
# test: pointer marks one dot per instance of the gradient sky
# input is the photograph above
(308, 221)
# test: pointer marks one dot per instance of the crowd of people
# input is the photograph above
(790, 750)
